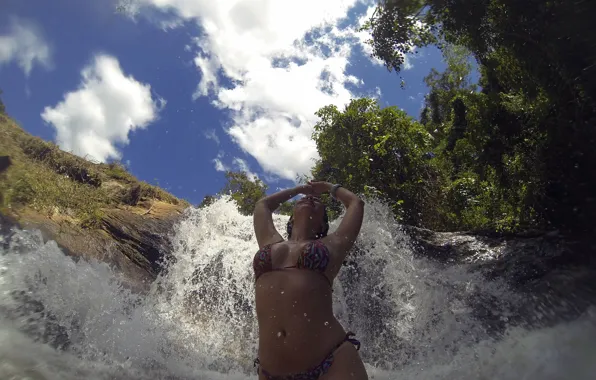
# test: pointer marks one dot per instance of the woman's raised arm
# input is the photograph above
(342, 239)
(262, 217)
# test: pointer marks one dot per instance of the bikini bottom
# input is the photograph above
(315, 372)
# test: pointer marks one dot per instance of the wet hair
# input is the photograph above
(321, 234)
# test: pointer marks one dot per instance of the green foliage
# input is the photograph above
(396, 31)
(529, 132)
(286, 208)
(380, 152)
(445, 87)
(207, 201)
(244, 190)
(455, 169)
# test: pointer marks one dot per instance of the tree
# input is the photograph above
(532, 124)
(286, 208)
(378, 152)
(207, 201)
(244, 190)
(444, 87)
(396, 31)
(477, 138)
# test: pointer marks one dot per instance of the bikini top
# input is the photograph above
(315, 256)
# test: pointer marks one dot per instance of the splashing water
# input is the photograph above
(61, 319)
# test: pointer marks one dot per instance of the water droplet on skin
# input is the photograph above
(305, 314)
(308, 320)
(326, 323)
(282, 292)
(279, 334)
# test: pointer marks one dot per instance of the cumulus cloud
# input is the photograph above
(282, 61)
(24, 44)
(93, 119)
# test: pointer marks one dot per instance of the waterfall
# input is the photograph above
(71, 319)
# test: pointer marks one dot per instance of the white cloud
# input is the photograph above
(106, 107)
(242, 165)
(284, 62)
(377, 94)
(237, 163)
(26, 45)
(219, 165)
(211, 135)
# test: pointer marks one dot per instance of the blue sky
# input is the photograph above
(182, 89)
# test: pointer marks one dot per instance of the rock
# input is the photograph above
(144, 239)
(553, 273)
(134, 241)
(6, 224)
(35, 321)
(133, 196)
(5, 162)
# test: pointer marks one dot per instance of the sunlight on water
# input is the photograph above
(61, 319)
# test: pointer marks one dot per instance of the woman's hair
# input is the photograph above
(321, 234)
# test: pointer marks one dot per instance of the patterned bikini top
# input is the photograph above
(315, 256)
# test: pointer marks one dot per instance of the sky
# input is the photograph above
(181, 90)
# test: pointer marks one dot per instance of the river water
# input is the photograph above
(67, 319)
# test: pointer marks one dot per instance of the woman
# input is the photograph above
(299, 337)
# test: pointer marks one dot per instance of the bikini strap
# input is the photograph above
(348, 338)
(319, 369)
(354, 341)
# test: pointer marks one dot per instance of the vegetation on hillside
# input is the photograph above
(51, 181)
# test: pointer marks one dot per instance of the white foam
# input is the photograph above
(413, 317)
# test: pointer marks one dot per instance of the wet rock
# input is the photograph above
(553, 274)
(34, 320)
(6, 225)
(134, 240)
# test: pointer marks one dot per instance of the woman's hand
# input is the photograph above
(305, 189)
(320, 187)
